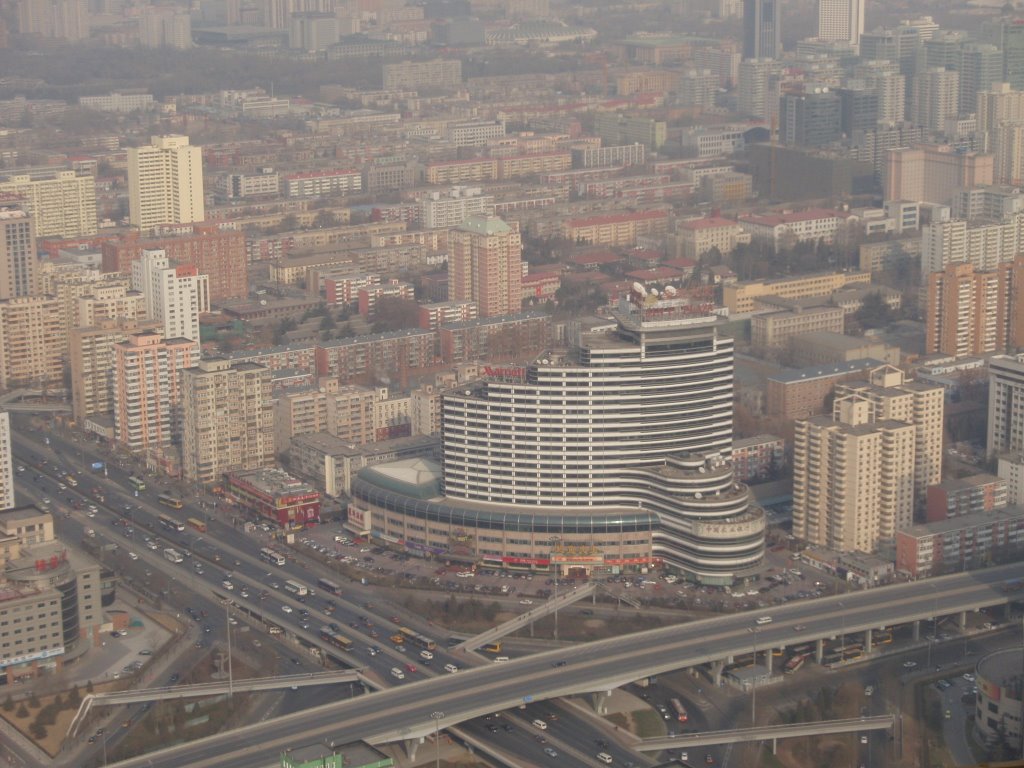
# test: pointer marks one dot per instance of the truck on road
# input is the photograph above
(173, 555)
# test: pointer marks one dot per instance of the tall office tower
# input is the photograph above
(901, 45)
(227, 420)
(891, 396)
(147, 389)
(485, 265)
(975, 312)
(852, 478)
(981, 68)
(174, 295)
(1000, 103)
(92, 361)
(762, 33)
(62, 204)
(165, 183)
(841, 20)
(935, 96)
(885, 79)
(649, 432)
(933, 173)
(19, 265)
(858, 108)
(1007, 34)
(925, 26)
(60, 19)
(6, 463)
(33, 343)
(811, 118)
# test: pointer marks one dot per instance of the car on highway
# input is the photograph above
(968, 677)
(286, 608)
(550, 752)
(869, 690)
(450, 668)
(909, 664)
(426, 655)
(559, 663)
(863, 739)
(133, 556)
(410, 668)
(526, 602)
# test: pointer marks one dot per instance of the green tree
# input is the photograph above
(33, 700)
(8, 704)
(37, 730)
(395, 314)
(22, 710)
(873, 312)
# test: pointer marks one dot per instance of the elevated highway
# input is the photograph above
(564, 600)
(403, 713)
(768, 733)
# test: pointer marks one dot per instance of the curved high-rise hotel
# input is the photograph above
(611, 454)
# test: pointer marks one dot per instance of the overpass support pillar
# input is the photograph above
(601, 702)
(916, 630)
(961, 620)
(411, 745)
(819, 650)
(868, 641)
(769, 654)
(716, 672)
(775, 746)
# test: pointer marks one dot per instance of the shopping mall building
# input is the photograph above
(611, 455)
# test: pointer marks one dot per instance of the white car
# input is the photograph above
(450, 668)
(133, 556)
(526, 602)
(426, 655)
(286, 608)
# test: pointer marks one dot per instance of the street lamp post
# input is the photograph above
(227, 623)
(753, 681)
(842, 630)
(554, 541)
(437, 717)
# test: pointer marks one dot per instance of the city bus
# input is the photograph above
(170, 501)
(680, 710)
(295, 588)
(268, 555)
(795, 663)
(171, 524)
(199, 525)
(137, 483)
(328, 586)
(336, 639)
(414, 638)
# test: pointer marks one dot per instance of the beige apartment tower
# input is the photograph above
(853, 478)
(486, 265)
(165, 183)
(227, 420)
(147, 384)
(63, 204)
(32, 343)
(92, 361)
(891, 396)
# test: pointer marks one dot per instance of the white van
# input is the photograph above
(540, 724)
(764, 620)
(500, 659)
(397, 673)
(604, 757)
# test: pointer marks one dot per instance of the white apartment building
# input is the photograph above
(983, 244)
(118, 102)
(699, 236)
(812, 224)
(440, 210)
(474, 134)
(165, 183)
(841, 20)
(175, 296)
(63, 204)
(1005, 405)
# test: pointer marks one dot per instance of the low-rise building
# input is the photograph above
(700, 236)
(966, 541)
(758, 457)
(802, 392)
(776, 329)
(958, 496)
(273, 495)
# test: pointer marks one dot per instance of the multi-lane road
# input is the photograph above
(404, 712)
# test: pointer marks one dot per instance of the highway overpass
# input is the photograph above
(403, 713)
(767, 732)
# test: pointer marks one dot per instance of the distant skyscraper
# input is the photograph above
(762, 34)
(18, 262)
(935, 97)
(6, 463)
(165, 183)
(1007, 34)
(810, 118)
(485, 265)
(841, 20)
(175, 296)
